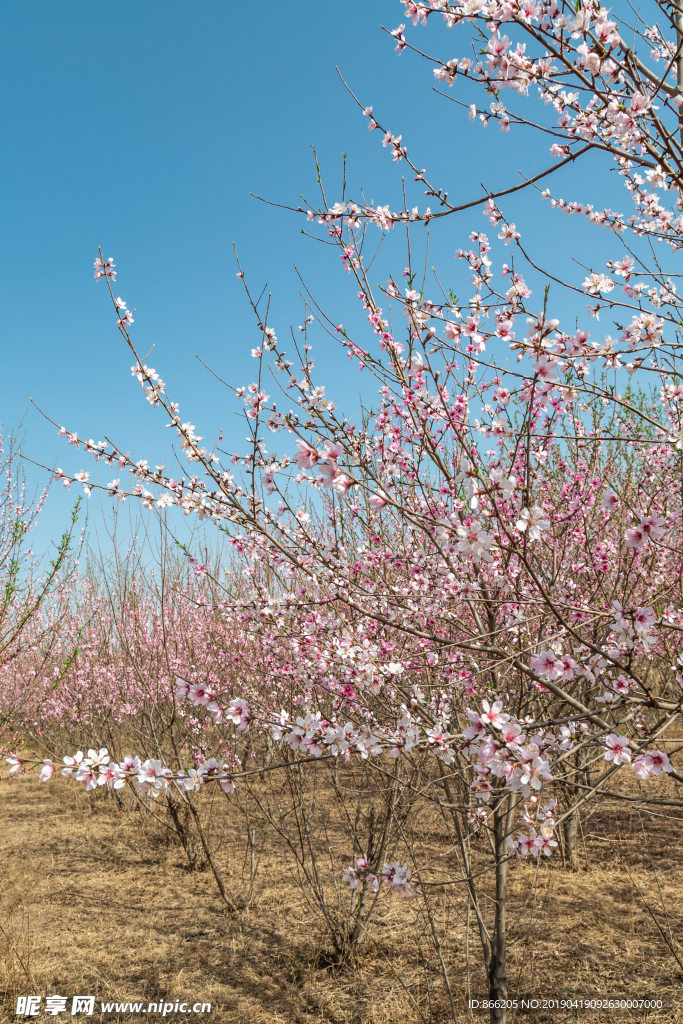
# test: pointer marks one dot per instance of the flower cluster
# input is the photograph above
(396, 877)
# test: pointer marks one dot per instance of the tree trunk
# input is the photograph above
(498, 990)
(571, 830)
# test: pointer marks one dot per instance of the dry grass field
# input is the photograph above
(94, 901)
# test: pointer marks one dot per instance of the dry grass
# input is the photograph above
(93, 902)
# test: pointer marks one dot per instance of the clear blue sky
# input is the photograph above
(143, 127)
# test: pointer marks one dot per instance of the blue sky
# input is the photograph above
(143, 127)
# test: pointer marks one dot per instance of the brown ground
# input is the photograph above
(92, 902)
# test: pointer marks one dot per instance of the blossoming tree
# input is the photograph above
(484, 562)
(32, 592)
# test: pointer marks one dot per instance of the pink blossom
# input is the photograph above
(532, 522)
(653, 762)
(72, 763)
(200, 694)
(509, 234)
(548, 845)
(475, 541)
(307, 456)
(377, 501)
(493, 714)
(104, 269)
(609, 501)
(546, 664)
(639, 105)
(228, 786)
(531, 844)
(617, 749)
(239, 714)
(476, 728)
